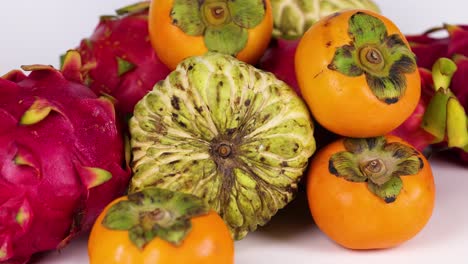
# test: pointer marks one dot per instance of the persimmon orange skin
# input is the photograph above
(209, 242)
(342, 104)
(352, 216)
(173, 45)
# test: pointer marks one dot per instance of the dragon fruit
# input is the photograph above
(460, 90)
(279, 60)
(460, 80)
(62, 158)
(439, 119)
(118, 59)
(425, 44)
(429, 48)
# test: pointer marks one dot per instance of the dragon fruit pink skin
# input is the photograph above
(428, 48)
(423, 45)
(118, 58)
(62, 159)
(279, 60)
(455, 46)
(458, 35)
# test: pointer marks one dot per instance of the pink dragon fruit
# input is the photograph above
(118, 59)
(429, 49)
(425, 44)
(62, 159)
(458, 35)
(460, 80)
(439, 120)
(279, 60)
(460, 89)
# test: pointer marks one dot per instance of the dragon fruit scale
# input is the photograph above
(118, 59)
(62, 158)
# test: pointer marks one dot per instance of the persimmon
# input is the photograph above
(370, 193)
(357, 74)
(183, 28)
(159, 226)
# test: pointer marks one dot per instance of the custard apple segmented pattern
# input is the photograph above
(292, 18)
(225, 131)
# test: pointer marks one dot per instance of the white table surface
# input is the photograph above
(34, 31)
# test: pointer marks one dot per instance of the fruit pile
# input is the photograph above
(180, 126)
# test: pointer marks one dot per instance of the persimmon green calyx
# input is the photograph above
(223, 24)
(155, 212)
(378, 163)
(383, 59)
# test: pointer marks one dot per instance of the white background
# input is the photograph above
(33, 31)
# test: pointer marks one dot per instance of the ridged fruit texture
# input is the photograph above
(224, 131)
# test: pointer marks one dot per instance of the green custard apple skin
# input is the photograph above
(292, 18)
(225, 131)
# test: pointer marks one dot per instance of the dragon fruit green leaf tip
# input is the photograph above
(118, 59)
(429, 48)
(62, 158)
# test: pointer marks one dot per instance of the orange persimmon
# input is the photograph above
(357, 74)
(184, 28)
(370, 193)
(159, 226)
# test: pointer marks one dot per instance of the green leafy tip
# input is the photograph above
(457, 124)
(23, 215)
(155, 212)
(445, 118)
(442, 72)
(376, 162)
(37, 112)
(124, 66)
(384, 59)
(222, 23)
(93, 177)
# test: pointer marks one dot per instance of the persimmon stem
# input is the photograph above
(216, 13)
(371, 58)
